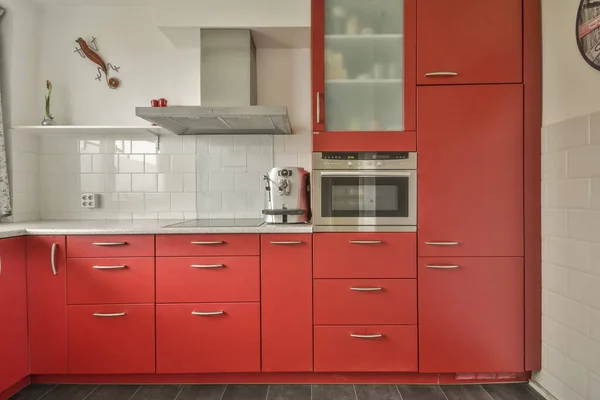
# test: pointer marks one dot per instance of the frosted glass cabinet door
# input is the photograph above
(363, 57)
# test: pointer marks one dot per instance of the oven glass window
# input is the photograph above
(364, 196)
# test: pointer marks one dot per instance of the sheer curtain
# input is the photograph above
(5, 208)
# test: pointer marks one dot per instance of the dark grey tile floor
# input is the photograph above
(277, 392)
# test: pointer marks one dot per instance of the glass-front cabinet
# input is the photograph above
(364, 75)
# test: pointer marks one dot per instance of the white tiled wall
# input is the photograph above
(191, 176)
(571, 259)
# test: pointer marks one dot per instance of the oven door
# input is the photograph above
(354, 198)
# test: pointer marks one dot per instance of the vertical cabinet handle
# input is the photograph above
(53, 258)
(318, 107)
(373, 336)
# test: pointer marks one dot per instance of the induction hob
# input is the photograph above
(219, 223)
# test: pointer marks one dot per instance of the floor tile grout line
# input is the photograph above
(442, 390)
(90, 393)
(134, 393)
(178, 393)
(399, 393)
(223, 394)
(311, 392)
(268, 388)
(486, 392)
(355, 394)
(48, 391)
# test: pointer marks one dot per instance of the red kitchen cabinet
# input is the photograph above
(470, 174)
(207, 337)
(286, 280)
(47, 304)
(110, 246)
(14, 360)
(471, 314)
(364, 75)
(111, 339)
(469, 42)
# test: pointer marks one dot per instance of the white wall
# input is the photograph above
(571, 86)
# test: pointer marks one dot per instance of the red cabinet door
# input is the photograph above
(111, 339)
(110, 280)
(110, 246)
(479, 41)
(372, 348)
(471, 314)
(207, 245)
(372, 47)
(286, 280)
(470, 178)
(14, 360)
(207, 337)
(47, 304)
(365, 301)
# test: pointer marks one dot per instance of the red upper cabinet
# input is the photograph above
(470, 190)
(469, 41)
(471, 314)
(287, 337)
(14, 360)
(47, 304)
(364, 75)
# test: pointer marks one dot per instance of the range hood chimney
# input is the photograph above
(227, 92)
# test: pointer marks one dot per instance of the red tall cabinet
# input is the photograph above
(364, 75)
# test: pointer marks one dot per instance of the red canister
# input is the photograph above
(155, 103)
(162, 102)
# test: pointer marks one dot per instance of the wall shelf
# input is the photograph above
(88, 130)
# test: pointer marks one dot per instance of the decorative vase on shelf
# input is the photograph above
(48, 118)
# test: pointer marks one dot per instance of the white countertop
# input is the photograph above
(139, 227)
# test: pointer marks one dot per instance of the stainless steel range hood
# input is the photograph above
(227, 93)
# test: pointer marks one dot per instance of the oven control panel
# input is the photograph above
(364, 160)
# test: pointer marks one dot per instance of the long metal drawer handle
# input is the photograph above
(366, 241)
(53, 258)
(366, 289)
(374, 336)
(109, 243)
(121, 314)
(283, 243)
(208, 243)
(109, 266)
(442, 243)
(208, 266)
(208, 314)
(443, 266)
(441, 73)
(318, 107)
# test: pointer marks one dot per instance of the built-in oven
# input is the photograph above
(365, 191)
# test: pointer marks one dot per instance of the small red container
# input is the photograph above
(162, 102)
(154, 103)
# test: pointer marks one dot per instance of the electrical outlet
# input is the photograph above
(90, 200)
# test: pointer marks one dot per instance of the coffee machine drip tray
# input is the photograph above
(284, 211)
(219, 223)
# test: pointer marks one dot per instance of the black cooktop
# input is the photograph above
(217, 223)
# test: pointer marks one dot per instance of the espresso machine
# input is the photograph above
(287, 197)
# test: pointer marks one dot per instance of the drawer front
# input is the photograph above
(365, 301)
(365, 255)
(207, 245)
(209, 337)
(104, 341)
(380, 349)
(110, 280)
(207, 279)
(110, 246)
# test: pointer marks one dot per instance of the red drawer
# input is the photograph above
(207, 245)
(110, 280)
(365, 255)
(225, 339)
(207, 279)
(117, 339)
(110, 246)
(336, 350)
(365, 301)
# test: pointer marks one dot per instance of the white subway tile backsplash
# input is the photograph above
(157, 163)
(595, 326)
(569, 193)
(209, 202)
(554, 222)
(207, 163)
(201, 183)
(234, 160)
(183, 163)
(256, 201)
(555, 334)
(144, 215)
(298, 143)
(584, 350)
(122, 183)
(584, 288)
(57, 144)
(554, 165)
(571, 372)
(259, 163)
(286, 160)
(221, 182)
(555, 278)
(85, 162)
(305, 161)
(183, 202)
(131, 163)
(233, 202)
(550, 383)
(221, 144)
(170, 182)
(567, 253)
(575, 315)
(171, 145)
(593, 386)
(584, 225)
(584, 162)
(94, 183)
(189, 183)
(569, 134)
(143, 147)
(104, 163)
(93, 146)
(244, 144)
(173, 215)
(189, 144)
(144, 183)
(248, 182)
(202, 144)
(595, 131)
(158, 202)
(133, 202)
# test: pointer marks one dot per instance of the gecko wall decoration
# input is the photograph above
(90, 52)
